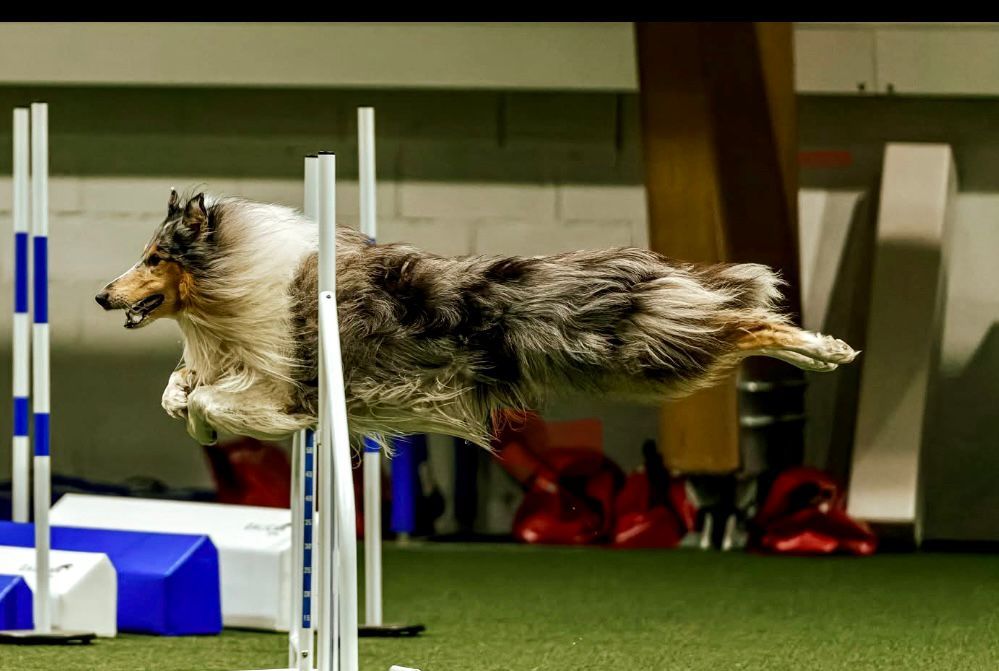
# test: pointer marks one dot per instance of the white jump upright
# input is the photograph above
(372, 450)
(374, 624)
(40, 359)
(335, 553)
(325, 559)
(21, 447)
(336, 497)
(301, 633)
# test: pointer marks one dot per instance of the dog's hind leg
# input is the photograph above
(804, 349)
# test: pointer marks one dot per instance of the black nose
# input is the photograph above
(104, 300)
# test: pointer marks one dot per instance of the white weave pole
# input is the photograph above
(304, 546)
(37, 190)
(326, 634)
(337, 487)
(40, 360)
(21, 446)
(372, 450)
(335, 551)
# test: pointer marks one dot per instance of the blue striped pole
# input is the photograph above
(310, 544)
(295, 633)
(305, 584)
(40, 351)
(300, 634)
(308, 517)
(21, 447)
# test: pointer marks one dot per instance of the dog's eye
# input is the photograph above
(154, 260)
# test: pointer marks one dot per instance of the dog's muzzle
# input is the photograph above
(137, 313)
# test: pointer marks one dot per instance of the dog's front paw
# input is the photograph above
(174, 399)
(198, 402)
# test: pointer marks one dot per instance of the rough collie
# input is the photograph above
(434, 344)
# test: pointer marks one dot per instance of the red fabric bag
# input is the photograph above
(571, 485)
(652, 510)
(570, 500)
(641, 525)
(251, 473)
(805, 514)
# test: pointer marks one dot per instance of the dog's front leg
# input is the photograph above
(200, 406)
(256, 413)
(174, 399)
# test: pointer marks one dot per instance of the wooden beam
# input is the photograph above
(776, 44)
(717, 106)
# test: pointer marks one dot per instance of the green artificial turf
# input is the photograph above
(508, 607)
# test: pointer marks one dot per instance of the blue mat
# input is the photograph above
(168, 584)
(15, 603)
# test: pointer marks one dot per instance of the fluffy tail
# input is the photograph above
(632, 322)
(438, 344)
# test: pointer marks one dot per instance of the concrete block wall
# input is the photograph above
(99, 225)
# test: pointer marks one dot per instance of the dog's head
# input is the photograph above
(159, 284)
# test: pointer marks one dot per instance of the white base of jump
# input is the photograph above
(904, 334)
(254, 546)
(84, 587)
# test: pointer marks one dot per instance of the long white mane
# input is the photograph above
(236, 330)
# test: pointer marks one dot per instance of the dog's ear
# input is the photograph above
(173, 205)
(196, 216)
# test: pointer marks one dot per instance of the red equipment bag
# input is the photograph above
(805, 514)
(570, 500)
(639, 525)
(571, 485)
(652, 510)
(577, 496)
(251, 473)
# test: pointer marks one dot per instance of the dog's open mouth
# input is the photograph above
(137, 313)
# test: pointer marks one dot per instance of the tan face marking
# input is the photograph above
(154, 287)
